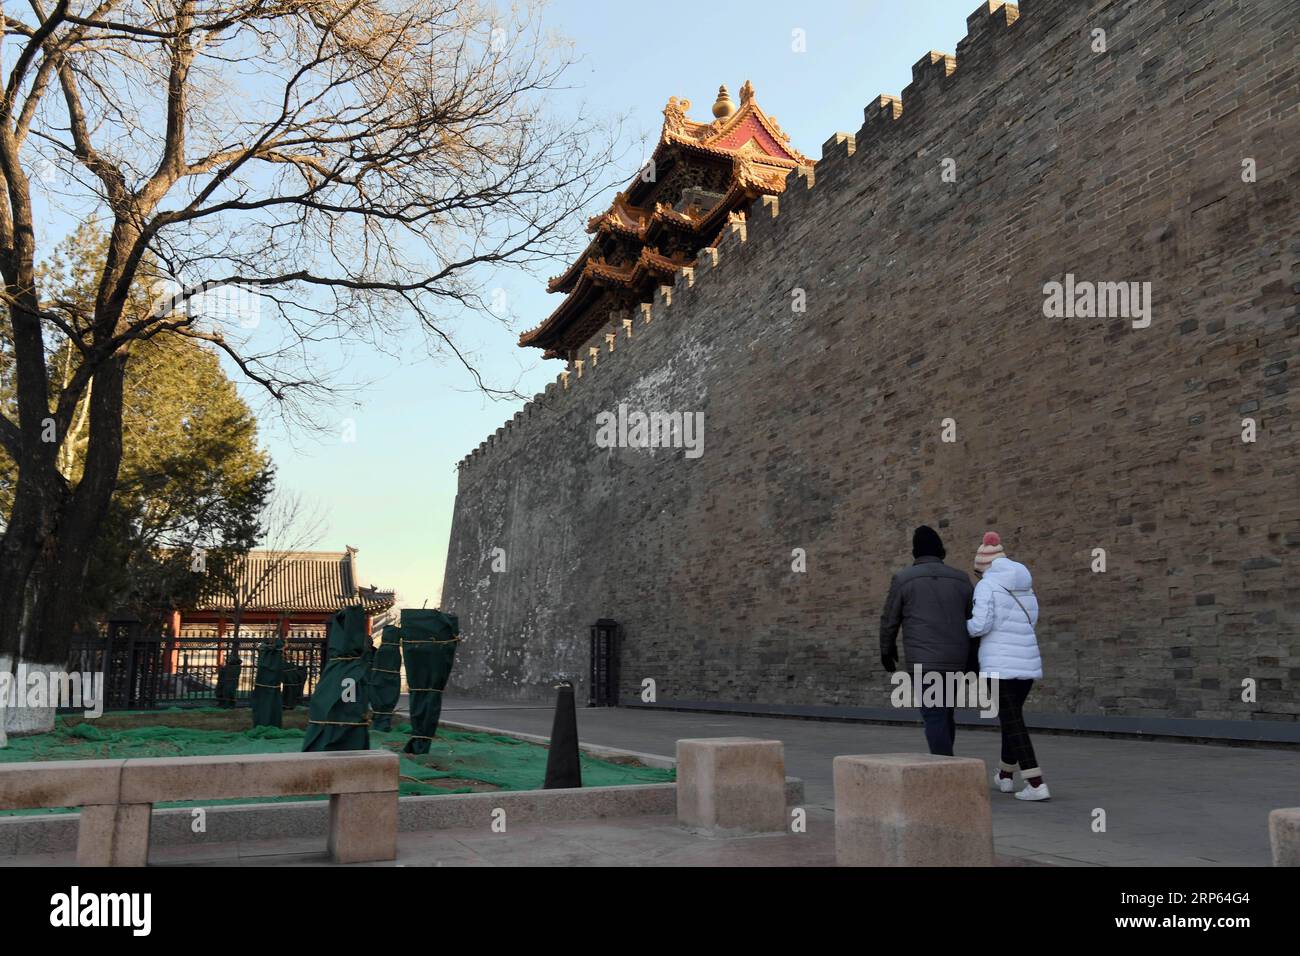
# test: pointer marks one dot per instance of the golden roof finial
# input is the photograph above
(747, 92)
(723, 107)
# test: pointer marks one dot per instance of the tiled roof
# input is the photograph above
(321, 581)
(759, 156)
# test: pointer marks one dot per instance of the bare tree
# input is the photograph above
(289, 526)
(349, 167)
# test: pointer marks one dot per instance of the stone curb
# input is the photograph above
(57, 832)
(658, 761)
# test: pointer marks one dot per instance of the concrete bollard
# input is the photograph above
(1284, 834)
(912, 810)
(731, 783)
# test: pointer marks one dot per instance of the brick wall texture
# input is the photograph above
(823, 428)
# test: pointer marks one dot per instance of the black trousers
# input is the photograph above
(940, 721)
(1017, 749)
(940, 729)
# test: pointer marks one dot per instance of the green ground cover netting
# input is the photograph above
(429, 639)
(462, 761)
(340, 700)
(268, 705)
(386, 678)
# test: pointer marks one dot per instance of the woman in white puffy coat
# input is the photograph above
(1004, 616)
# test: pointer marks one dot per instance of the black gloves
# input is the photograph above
(888, 661)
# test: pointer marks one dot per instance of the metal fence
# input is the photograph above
(144, 671)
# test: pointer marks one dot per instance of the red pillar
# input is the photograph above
(173, 632)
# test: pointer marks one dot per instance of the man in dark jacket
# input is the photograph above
(931, 602)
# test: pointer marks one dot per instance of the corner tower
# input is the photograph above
(700, 177)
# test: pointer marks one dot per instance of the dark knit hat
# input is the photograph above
(927, 543)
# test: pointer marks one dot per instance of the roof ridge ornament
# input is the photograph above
(675, 114)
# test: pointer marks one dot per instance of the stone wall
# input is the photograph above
(824, 428)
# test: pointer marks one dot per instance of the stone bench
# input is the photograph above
(1284, 835)
(731, 784)
(116, 797)
(912, 810)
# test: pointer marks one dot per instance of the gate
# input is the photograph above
(146, 671)
(603, 687)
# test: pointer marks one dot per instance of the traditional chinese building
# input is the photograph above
(292, 594)
(700, 177)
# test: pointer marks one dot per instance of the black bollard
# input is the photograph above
(562, 767)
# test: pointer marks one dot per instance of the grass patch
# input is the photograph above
(457, 762)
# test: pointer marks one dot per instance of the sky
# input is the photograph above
(390, 492)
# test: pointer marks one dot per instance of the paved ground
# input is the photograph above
(632, 841)
(1165, 803)
(629, 841)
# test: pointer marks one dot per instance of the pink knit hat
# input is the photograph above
(989, 551)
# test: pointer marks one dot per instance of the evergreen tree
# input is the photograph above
(193, 480)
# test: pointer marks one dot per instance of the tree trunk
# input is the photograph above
(26, 555)
(6, 663)
(47, 547)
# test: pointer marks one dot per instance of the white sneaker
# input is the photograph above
(1005, 784)
(1039, 792)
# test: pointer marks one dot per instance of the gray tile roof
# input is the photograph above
(320, 581)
